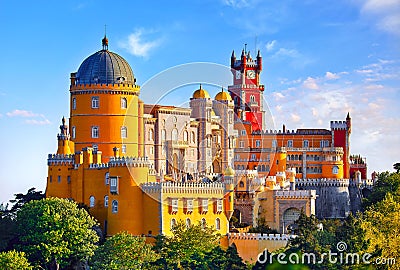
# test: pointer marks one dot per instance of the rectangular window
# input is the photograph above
(95, 132)
(274, 143)
(59, 179)
(243, 132)
(219, 206)
(290, 143)
(68, 179)
(123, 149)
(305, 144)
(241, 144)
(258, 143)
(174, 205)
(114, 185)
(189, 205)
(204, 205)
(253, 157)
(95, 102)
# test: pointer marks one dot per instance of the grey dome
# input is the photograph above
(104, 67)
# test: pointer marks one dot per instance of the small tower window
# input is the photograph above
(95, 102)
(114, 206)
(124, 132)
(73, 131)
(95, 147)
(252, 99)
(74, 103)
(106, 201)
(185, 136)
(107, 178)
(91, 201)
(95, 132)
(193, 137)
(151, 135)
(124, 103)
(174, 134)
(290, 143)
(163, 135)
(335, 170)
(217, 224)
(123, 149)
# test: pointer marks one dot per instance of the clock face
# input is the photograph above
(251, 74)
(238, 74)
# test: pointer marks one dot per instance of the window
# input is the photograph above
(189, 205)
(274, 143)
(230, 117)
(185, 136)
(107, 178)
(95, 102)
(208, 115)
(68, 179)
(174, 205)
(258, 143)
(324, 143)
(114, 206)
(74, 103)
(305, 144)
(290, 143)
(124, 132)
(204, 205)
(173, 223)
(73, 131)
(241, 144)
(243, 132)
(241, 184)
(174, 134)
(193, 137)
(253, 157)
(124, 103)
(123, 149)
(188, 222)
(151, 135)
(217, 224)
(91, 201)
(95, 132)
(106, 201)
(114, 184)
(203, 223)
(252, 99)
(151, 150)
(51, 179)
(95, 147)
(163, 135)
(59, 179)
(219, 206)
(335, 170)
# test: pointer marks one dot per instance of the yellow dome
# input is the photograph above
(229, 171)
(223, 96)
(201, 93)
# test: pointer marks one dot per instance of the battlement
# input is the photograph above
(322, 182)
(259, 236)
(295, 194)
(181, 188)
(58, 159)
(335, 125)
(129, 162)
(98, 165)
(105, 86)
(293, 132)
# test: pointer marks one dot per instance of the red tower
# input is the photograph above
(341, 131)
(246, 91)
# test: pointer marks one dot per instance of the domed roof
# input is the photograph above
(104, 67)
(201, 93)
(223, 96)
(229, 171)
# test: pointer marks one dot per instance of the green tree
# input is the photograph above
(124, 251)
(14, 260)
(387, 183)
(381, 223)
(262, 227)
(54, 232)
(396, 166)
(187, 247)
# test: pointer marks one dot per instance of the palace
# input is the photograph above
(142, 168)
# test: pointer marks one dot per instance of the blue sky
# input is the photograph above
(321, 59)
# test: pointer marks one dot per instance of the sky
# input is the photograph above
(321, 59)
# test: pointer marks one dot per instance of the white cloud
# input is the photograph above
(295, 117)
(278, 95)
(287, 52)
(331, 76)
(270, 45)
(311, 83)
(21, 113)
(385, 13)
(136, 45)
(38, 122)
(236, 3)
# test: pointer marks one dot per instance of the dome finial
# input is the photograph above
(104, 41)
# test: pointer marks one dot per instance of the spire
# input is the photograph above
(348, 116)
(200, 86)
(258, 54)
(104, 41)
(243, 53)
(233, 54)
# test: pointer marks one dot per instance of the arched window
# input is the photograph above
(230, 117)
(114, 206)
(124, 132)
(95, 102)
(107, 178)
(188, 222)
(263, 168)
(241, 184)
(335, 170)
(163, 135)
(185, 136)
(91, 201)
(95, 132)
(151, 134)
(217, 224)
(73, 131)
(106, 201)
(124, 103)
(74, 103)
(173, 223)
(95, 148)
(174, 134)
(305, 144)
(252, 99)
(203, 223)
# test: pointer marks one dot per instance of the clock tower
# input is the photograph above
(246, 91)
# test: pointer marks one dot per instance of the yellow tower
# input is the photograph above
(105, 107)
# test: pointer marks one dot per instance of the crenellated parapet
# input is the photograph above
(129, 162)
(259, 236)
(322, 182)
(98, 166)
(181, 188)
(60, 159)
(338, 125)
(295, 194)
